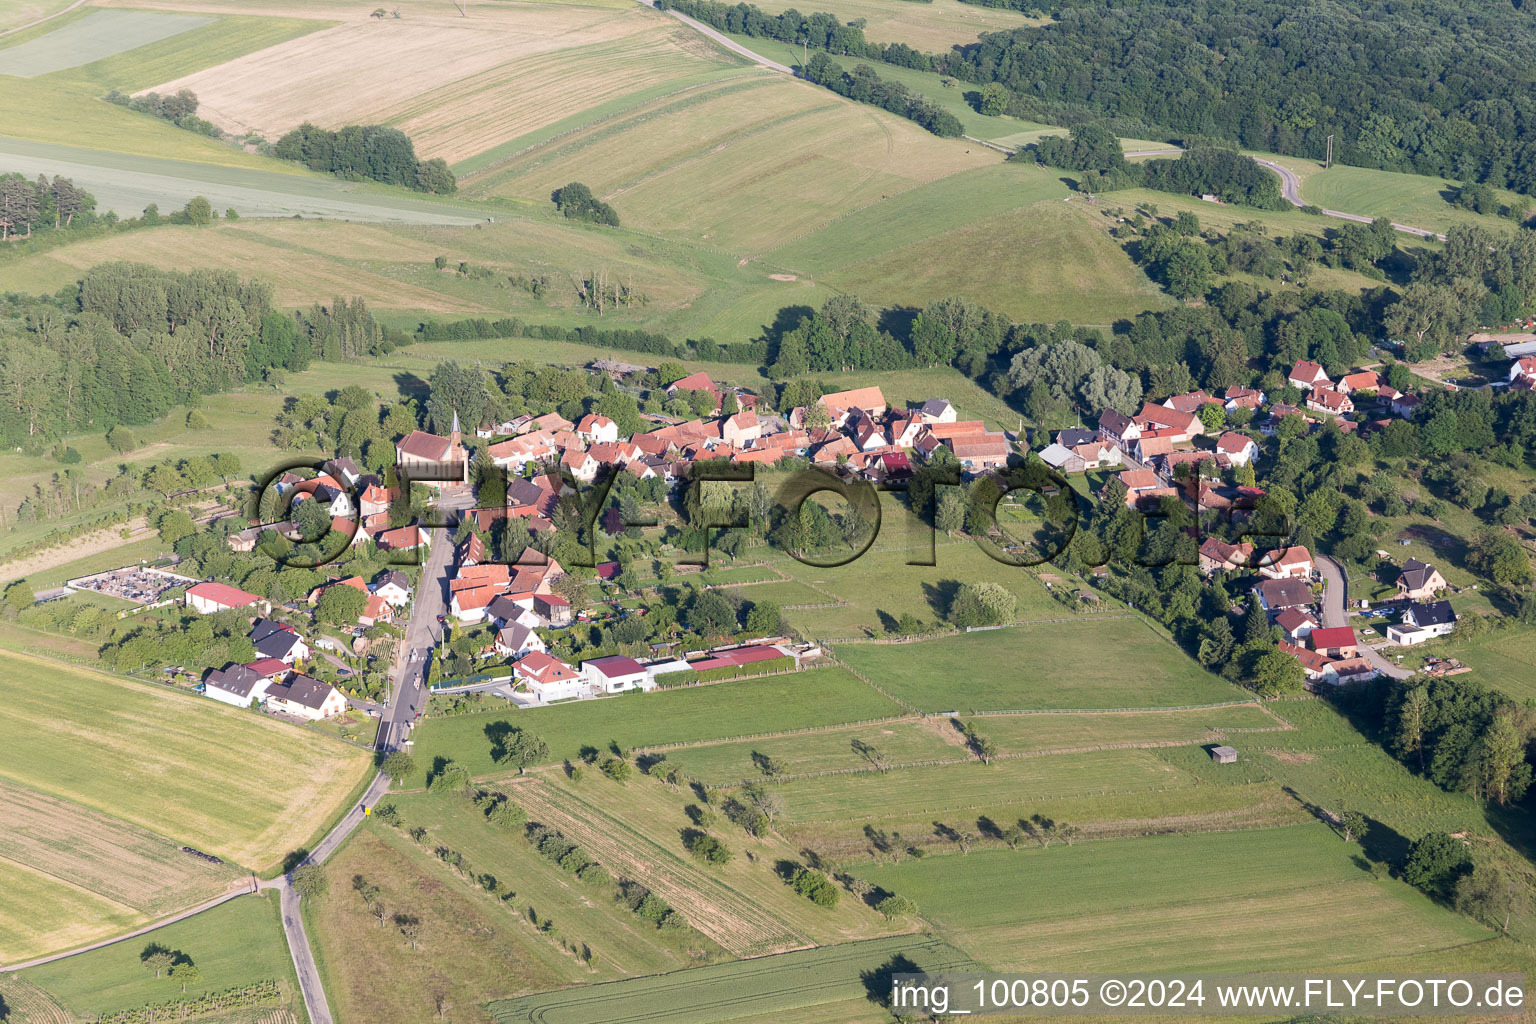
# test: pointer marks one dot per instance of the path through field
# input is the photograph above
(127, 184)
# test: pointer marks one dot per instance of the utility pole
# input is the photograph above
(1329, 161)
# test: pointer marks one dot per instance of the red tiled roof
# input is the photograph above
(224, 594)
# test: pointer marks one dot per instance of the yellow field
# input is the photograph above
(456, 85)
(111, 858)
(741, 166)
(933, 27)
(238, 785)
(41, 913)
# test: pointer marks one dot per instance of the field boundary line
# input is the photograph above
(878, 689)
(1109, 711)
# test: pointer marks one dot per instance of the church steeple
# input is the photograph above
(453, 435)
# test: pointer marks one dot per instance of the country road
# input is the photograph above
(1290, 188)
(729, 44)
(1335, 597)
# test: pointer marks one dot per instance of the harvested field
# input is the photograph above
(933, 26)
(29, 1004)
(712, 906)
(111, 858)
(242, 787)
(100, 34)
(40, 914)
(743, 166)
(515, 68)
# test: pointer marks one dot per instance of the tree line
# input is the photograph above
(865, 85)
(179, 108)
(372, 151)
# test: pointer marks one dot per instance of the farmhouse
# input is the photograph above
(1423, 621)
(1419, 581)
(209, 598)
(840, 403)
(307, 698)
(614, 674)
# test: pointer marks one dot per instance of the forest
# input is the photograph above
(129, 342)
(1435, 87)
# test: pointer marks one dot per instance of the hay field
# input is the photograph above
(1272, 899)
(94, 37)
(41, 913)
(512, 69)
(933, 27)
(16, 14)
(115, 860)
(243, 787)
(742, 166)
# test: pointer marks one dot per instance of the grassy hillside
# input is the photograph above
(933, 26)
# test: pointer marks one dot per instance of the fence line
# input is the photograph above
(1111, 711)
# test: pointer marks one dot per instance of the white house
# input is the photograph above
(209, 598)
(1293, 563)
(238, 685)
(581, 464)
(516, 640)
(612, 675)
(548, 678)
(393, 587)
(598, 429)
(938, 410)
(1238, 448)
(1423, 621)
(306, 698)
(1308, 375)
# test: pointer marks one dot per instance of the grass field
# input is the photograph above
(799, 700)
(95, 37)
(819, 982)
(111, 858)
(1272, 899)
(1030, 733)
(240, 786)
(829, 750)
(237, 943)
(743, 166)
(516, 67)
(1103, 663)
(16, 13)
(1503, 661)
(43, 913)
(933, 27)
(471, 949)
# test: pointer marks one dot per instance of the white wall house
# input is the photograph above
(616, 674)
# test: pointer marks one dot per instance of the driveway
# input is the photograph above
(1335, 597)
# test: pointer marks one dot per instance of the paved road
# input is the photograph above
(1334, 599)
(729, 44)
(1290, 188)
(421, 633)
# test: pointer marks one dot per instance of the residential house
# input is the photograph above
(1297, 623)
(210, 597)
(1313, 665)
(1361, 380)
(374, 499)
(547, 677)
(393, 587)
(741, 428)
(938, 410)
(1423, 621)
(596, 429)
(1419, 581)
(1242, 398)
(581, 464)
(237, 685)
(696, 382)
(345, 470)
(280, 642)
(1216, 555)
(1523, 368)
(1335, 642)
(1335, 403)
(615, 674)
(1275, 596)
(1293, 563)
(1405, 406)
(516, 640)
(307, 698)
(405, 538)
(1183, 426)
(1239, 449)
(1307, 375)
(1118, 429)
(1191, 402)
